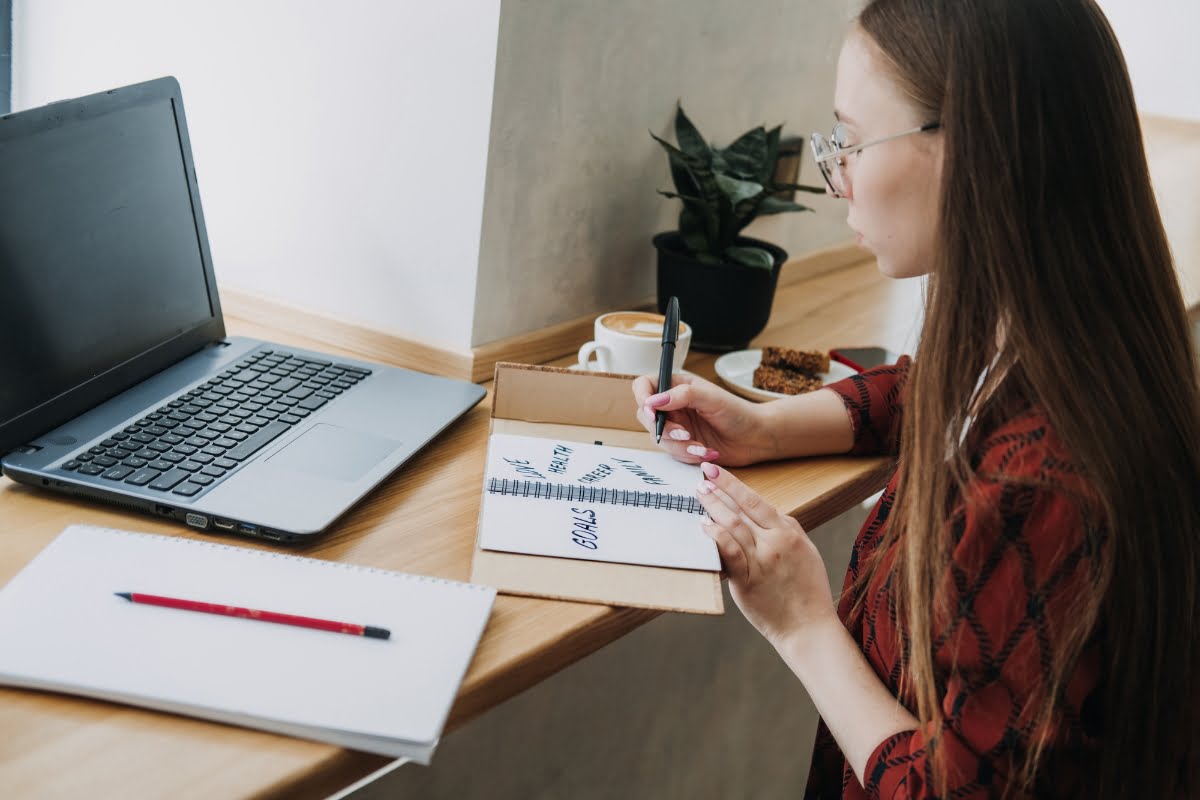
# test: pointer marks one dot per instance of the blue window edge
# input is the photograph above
(5, 56)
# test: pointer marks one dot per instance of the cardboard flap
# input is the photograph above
(554, 394)
(584, 407)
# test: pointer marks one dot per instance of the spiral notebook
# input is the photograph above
(64, 630)
(594, 502)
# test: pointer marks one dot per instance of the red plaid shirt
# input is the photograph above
(1012, 580)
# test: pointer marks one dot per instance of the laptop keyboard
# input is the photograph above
(203, 436)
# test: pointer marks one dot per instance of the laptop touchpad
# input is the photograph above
(336, 453)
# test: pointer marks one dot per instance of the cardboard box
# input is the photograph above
(550, 402)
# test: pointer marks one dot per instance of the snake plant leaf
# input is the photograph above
(677, 196)
(743, 214)
(776, 205)
(702, 217)
(737, 190)
(699, 174)
(724, 190)
(692, 229)
(672, 150)
(797, 187)
(685, 181)
(746, 155)
(767, 166)
(750, 256)
(690, 140)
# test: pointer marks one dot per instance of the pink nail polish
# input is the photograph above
(710, 470)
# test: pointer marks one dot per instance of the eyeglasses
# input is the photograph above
(831, 153)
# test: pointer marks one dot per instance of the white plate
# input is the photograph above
(736, 370)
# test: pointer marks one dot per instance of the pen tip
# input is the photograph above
(658, 438)
(126, 595)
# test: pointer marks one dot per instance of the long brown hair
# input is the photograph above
(1050, 236)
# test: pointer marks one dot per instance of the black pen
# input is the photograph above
(670, 334)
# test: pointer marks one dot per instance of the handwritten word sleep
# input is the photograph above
(524, 468)
(559, 459)
(583, 529)
(598, 474)
(640, 471)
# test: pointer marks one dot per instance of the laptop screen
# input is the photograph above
(100, 252)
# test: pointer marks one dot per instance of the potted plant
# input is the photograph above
(725, 282)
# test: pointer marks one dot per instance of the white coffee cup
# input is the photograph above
(630, 342)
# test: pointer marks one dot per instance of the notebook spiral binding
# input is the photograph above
(594, 494)
(303, 559)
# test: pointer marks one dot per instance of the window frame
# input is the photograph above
(5, 56)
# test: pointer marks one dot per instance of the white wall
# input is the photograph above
(340, 147)
(1159, 39)
(570, 204)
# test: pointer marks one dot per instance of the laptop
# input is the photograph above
(117, 381)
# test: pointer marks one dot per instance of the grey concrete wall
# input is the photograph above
(684, 707)
(570, 203)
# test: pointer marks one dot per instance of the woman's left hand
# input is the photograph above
(776, 575)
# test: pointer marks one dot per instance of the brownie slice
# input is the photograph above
(784, 381)
(810, 361)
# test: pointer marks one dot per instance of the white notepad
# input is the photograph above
(63, 629)
(593, 502)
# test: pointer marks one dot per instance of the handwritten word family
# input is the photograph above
(640, 471)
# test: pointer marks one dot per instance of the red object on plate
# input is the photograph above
(841, 359)
(862, 358)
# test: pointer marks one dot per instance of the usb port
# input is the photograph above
(272, 535)
(246, 527)
(224, 524)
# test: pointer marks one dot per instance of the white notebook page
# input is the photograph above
(63, 628)
(595, 524)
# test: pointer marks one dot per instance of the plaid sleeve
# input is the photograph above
(1022, 554)
(874, 400)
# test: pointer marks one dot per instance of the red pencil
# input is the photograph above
(263, 616)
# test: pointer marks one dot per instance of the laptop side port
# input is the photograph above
(224, 524)
(246, 527)
(272, 535)
(197, 520)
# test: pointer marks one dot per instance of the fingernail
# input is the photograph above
(709, 470)
(704, 488)
(679, 434)
(711, 455)
(697, 449)
(657, 399)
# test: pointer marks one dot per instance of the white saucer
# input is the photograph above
(736, 370)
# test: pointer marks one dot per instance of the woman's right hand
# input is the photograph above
(705, 422)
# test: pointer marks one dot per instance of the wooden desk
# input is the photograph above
(421, 520)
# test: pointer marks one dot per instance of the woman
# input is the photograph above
(1019, 615)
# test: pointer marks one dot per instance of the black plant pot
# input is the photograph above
(727, 305)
